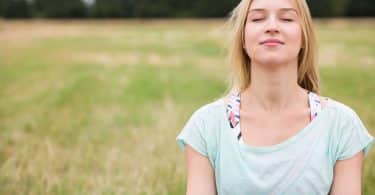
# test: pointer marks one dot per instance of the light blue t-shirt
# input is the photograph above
(302, 164)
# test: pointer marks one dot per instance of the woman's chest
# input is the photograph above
(266, 131)
(300, 169)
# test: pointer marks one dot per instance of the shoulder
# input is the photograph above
(204, 125)
(210, 110)
(342, 118)
(341, 109)
(349, 133)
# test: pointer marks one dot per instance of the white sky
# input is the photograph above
(89, 2)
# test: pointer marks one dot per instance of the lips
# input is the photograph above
(271, 41)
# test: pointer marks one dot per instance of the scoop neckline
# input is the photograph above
(289, 140)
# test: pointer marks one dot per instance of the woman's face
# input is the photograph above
(272, 32)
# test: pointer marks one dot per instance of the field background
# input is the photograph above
(93, 107)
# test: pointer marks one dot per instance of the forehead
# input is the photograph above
(285, 5)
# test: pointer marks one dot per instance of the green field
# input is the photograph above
(93, 107)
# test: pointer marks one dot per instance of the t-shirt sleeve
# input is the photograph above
(353, 138)
(193, 134)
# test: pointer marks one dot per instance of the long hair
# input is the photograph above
(240, 63)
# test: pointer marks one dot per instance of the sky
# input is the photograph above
(89, 2)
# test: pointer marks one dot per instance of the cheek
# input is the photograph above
(251, 38)
(295, 36)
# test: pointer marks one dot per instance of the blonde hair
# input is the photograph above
(240, 63)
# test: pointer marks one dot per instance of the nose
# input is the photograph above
(272, 25)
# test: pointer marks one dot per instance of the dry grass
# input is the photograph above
(93, 107)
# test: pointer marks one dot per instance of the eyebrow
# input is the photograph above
(263, 10)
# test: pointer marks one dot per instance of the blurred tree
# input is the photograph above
(1, 8)
(60, 9)
(213, 8)
(163, 8)
(182, 8)
(114, 8)
(338, 7)
(361, 8)
(320, 8)
(158, 8)
(15, 8)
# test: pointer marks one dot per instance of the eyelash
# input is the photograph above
(287, 20)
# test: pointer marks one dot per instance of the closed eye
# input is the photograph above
(288, 20)
(256, 20)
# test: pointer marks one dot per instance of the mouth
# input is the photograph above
(271, 42)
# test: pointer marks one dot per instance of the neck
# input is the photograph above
(274, 89)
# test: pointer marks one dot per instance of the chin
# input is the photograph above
(272, 60)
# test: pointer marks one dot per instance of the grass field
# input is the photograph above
(93, 107)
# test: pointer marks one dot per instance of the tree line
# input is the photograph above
(162, 8)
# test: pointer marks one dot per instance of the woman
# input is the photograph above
(273, 133)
